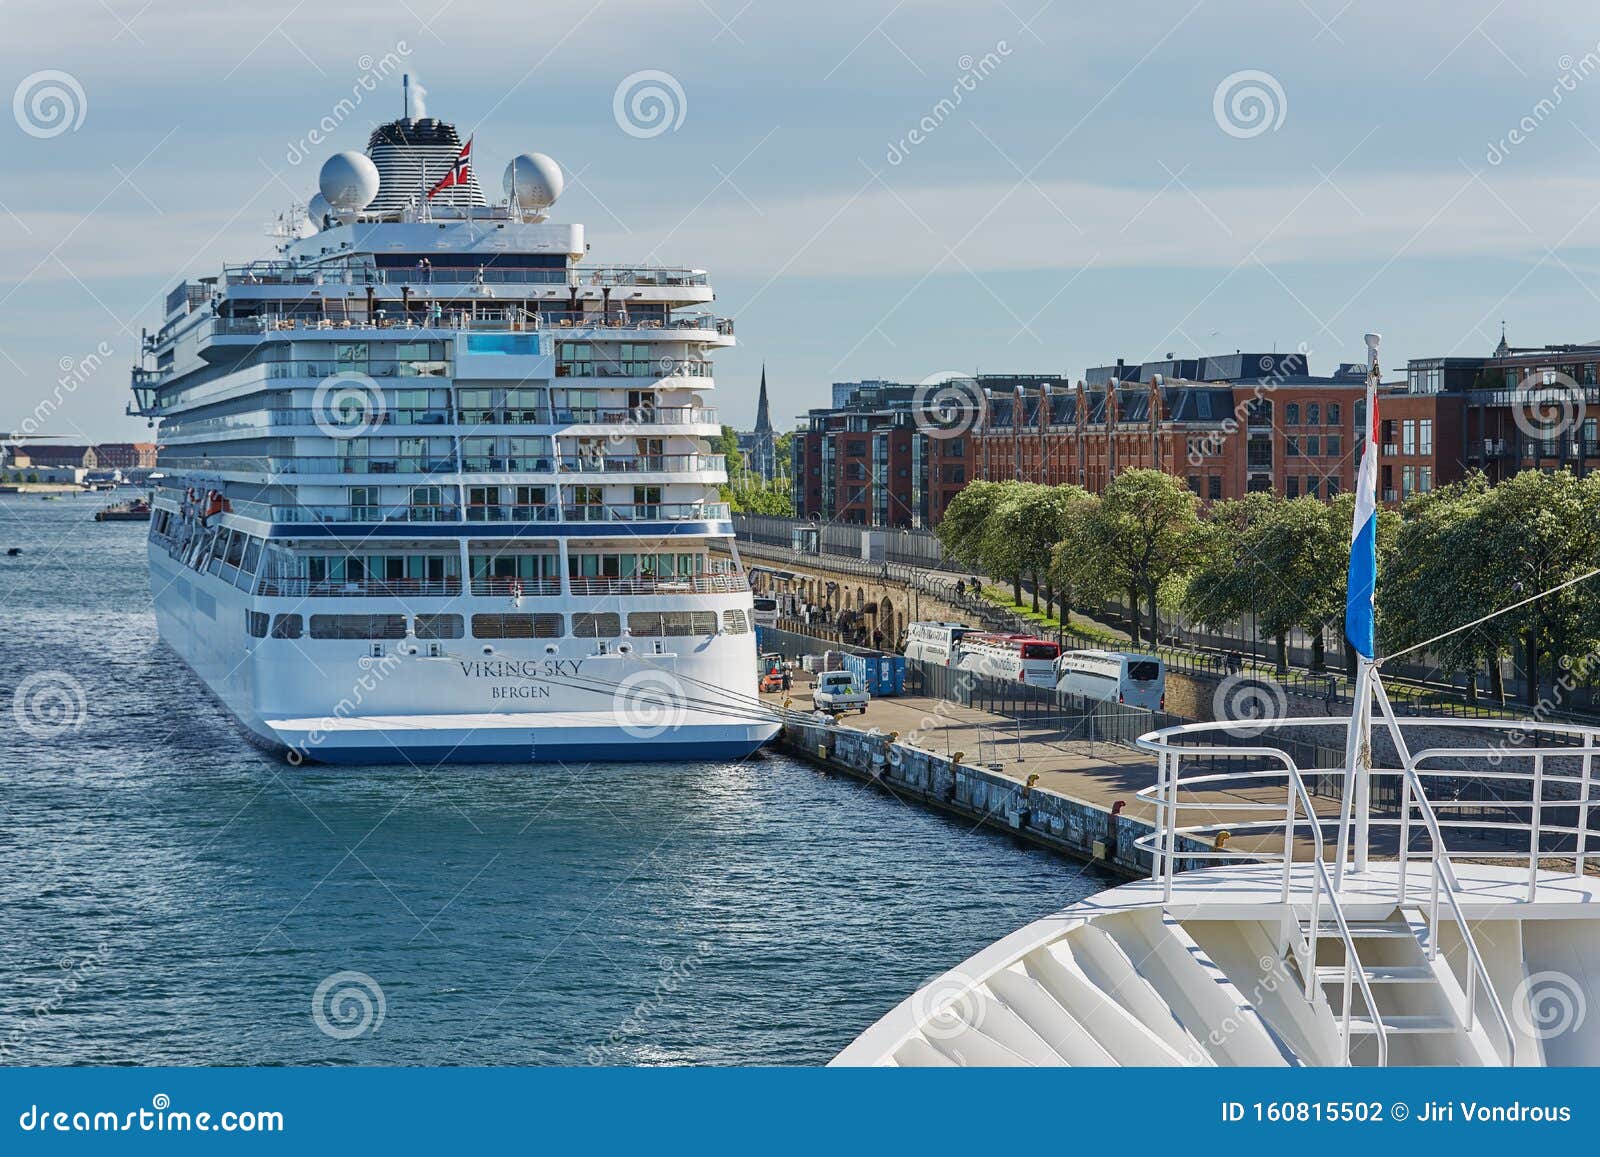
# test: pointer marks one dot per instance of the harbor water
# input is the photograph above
(173, 896)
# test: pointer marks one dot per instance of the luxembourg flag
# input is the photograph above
(1359, 611)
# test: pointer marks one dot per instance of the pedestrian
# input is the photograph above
(877, 639)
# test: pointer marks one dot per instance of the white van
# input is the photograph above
(935, 642)
(1114, 677)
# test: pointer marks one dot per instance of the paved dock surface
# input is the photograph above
(1065, 759)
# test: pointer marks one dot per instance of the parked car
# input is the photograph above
(839, 692)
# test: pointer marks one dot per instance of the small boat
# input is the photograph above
(137, 510)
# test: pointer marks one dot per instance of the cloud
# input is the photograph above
(886, 230)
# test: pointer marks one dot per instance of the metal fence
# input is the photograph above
(918, 548)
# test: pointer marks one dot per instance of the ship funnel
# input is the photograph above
(415, 97)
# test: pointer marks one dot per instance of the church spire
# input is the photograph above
(763, 418)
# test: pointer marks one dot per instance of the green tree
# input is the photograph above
(1438, 576)
(962, 528)
(1142, 534)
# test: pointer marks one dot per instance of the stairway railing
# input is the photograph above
(1304, 946)
(1444, 877)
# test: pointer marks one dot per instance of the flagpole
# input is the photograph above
(1360, 632)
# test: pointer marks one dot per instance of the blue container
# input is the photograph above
(882, 675)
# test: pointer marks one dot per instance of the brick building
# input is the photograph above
(1516, 409)
(1228, 425)
(125, 455)
(877, 458)
(105, 456)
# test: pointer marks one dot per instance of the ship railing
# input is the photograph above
(360, 273)
(705, 584)
(646, 368)
(420, 314)
(635, 415)
(1296, 813)
(649, 512)
(486, 512)
(358, 588)
(1517, 792)
(511, 586)
(360, 514)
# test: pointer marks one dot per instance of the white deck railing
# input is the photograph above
(1506, 790)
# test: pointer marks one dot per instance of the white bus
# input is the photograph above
(1115, 677)
(765, 612)
(934, 642)
(1014, 658)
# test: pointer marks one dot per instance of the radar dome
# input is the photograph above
(349, 182)
(534, 181)
(318, 211)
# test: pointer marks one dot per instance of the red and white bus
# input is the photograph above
(1015, 658)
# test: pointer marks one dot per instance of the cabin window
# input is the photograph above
(516, 626)
(439, 627)
(358, 626)
(734, 623)
(286, 627)
(597, 626)
(655, 624)
(255, 623)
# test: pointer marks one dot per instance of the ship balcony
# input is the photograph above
(510, 514)
(371, 588)
(708, 468)
(608, 419)
(227, 334)
(364, 273)
(704, 584)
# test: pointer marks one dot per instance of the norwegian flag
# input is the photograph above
(460, 172)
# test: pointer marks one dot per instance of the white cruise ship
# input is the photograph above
(435, 489)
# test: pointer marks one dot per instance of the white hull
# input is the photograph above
(530, 700)
(1126, 978)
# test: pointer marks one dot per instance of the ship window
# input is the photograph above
(516, 626)
(596, 626)
(255, 622)
(286, 627)
(358, 626)
(439, 627)
(653, 624)
(734, 623)
(236, 546)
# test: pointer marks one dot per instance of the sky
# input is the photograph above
(879, 189)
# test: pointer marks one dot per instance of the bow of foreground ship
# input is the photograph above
(435, 490)
(1423, 900)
